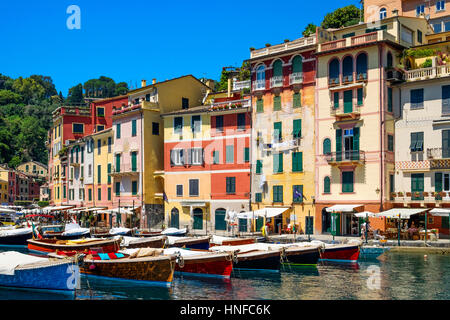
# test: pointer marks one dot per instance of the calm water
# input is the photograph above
(401, 276)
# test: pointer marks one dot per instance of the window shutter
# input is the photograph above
(296, 100)
(326, 185)
(360, 96)
(412, 146)
(348, 101)
(277, 134)
(297, 128)
(259, 105)
(133, 161)
(445, 99)
(355, 143)
(389, 99)
(445, 143)
(276, 103)
(258, 166)
(336, 100)
(339, 144)
(297, 161)
(297, 64)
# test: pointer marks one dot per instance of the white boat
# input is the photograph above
(174, 232)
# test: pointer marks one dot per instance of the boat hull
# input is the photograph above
(150, 242)
(200, 244)
(51, 245)
(58, 277)
(264, 261)
(15, 240)
(302, 257)
(212, 266)
(340, 254)
(151, 270)
(61, 236)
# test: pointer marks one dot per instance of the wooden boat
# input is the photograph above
(22, 271)
(100, 232)
(296, 254)
(147, 242)
(174, 232)
(15, 237)
(256, 256)
(189, 242)
(151, 268)
(146, 233)
(339, 252)
(74, 246)
(230, 241)
(202, 262)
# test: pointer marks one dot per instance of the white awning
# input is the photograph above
(265, 212)
(6, 210)
(441, 212)
(343, 207)
(57, 208)
(403, 213)
(365, 214)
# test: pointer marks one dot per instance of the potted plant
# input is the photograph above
(268, 45)
(400, 194)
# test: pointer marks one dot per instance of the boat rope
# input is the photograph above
(235, 257)
(283, 255)
(180, 260)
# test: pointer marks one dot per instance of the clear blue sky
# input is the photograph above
(145, 39)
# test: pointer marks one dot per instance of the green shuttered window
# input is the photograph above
(259, 165)
(259, 105)
(277, 131)
(347, 181)
(297, 132)
(277, 193)
(297, 161)
(278, 162)
(296, 100)
(276, 103)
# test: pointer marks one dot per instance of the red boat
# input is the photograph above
(340, 253)
(72, 246)
(229, 241)
(202, 263)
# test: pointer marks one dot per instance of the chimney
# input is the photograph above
(143, 83)
(395, 12)
(229, 88)
(153, 81)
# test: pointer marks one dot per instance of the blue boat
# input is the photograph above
(15, 237)
(22, 271)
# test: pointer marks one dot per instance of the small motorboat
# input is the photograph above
(202, 262)
(143, 266)
(15, 237)
(348, 252)
(22, 271)
(145, 242)
(367, 252)
(72, 246)
(230, 241)
(189, 242)
(297, 253)
(120, 231)
(255, 256)
(174, 232)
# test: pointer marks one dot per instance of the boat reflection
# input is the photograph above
(300, 270)
(339, 265)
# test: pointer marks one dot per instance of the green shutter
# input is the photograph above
(134, 161)
(117, 163)
(326, 146)
(276, 103)
(118, 131)
(355, 155)
(277, 133)
(133, 128)
(246, 154)
(297, 128)
(347, 181)
(437, 181)
(230, 154)
(348, 101)
(259, 105)
(109, 193)
(278, 162)
(297, 161)
(109, 171)
(297, 64)
(389, 99)
(360, 96)
(446, 143)
(117, 188)
(134, 188)
(277, 193)
(216, 157)
(326, 185)
(258, 197)
(99, 174)
(277, 68)
(99, 194)
(336, 100)
(339, 144)
(296, 100)
(259, 166)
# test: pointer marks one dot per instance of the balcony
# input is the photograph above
(347, 157)
(279, 48)
(364, 39)
(427, 73)
(296, 78)
(125, 169)
(240, 85)
(394, 75)
(439, 158)
(259, 85)
(420, 198)
(276, 82)
(345, 113)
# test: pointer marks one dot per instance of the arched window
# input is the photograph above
(326, 185)
(382, 13)
(277, 75)
(261, 77)
(390, 60)
(347, 69)
(326, 146)
(297, 64)
(198, 219)
(333, 73)
(174, 218)
(361, 66)
(219, 219)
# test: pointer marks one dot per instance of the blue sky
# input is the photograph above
(145, 39)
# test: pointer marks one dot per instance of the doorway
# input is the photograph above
(326, 221)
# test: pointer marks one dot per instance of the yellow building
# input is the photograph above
(33, 168)
(3, 191)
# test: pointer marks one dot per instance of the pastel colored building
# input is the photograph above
(207, 163)
(34, 168)
(354, 119)
(283, 111)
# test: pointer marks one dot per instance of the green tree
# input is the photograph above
(342, 17)
(75, 95)
(7, 96)
(309, 30)
(29, 89)
(121, 89)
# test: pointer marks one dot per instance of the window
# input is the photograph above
(178, 125)
(147, 97)
(259, 105)
(109, 145)
(99, 146)
(419, 36)
(133, 128)
(241, 121)
(390, 142)
(109, 171)
(259, 165)
(231, 185)
(446, 100)
(179, 190)
(382, 13)
(297, 128)
(359, 93)
(417, 186)
(416, 141)
(333, 73)
(389, 98)
(89, 194)
(276, 103)
(117, 189)
(258, 197)
(297, 65)
(361, 66)
(277, 70)
(177, 157)
(246, 154)
(391, 183)
(277, 131)
(155, 128)
(198, 219)
(297, 161)
(134, 161)
(445, 143)
(118, 131)
(184, 103)
(420, 9)
(416, 96)
(437, 27)
(196, 123)
(296, 100)
(219, 219)
(193, 188)
(261, 77)
(117, 169)
(277, 193)
(347, 181)
(197, 156)
(440, 5)
(109, 194)
(297, 193)
(407, 35)
(347, 69)
(278, 162)
(348, 101)
(390, 60)
(219, 123)
(336, 100)
(99, 174)
(99, 194)
(100, 112)
(134, 187)
(229, 154)
(326, 185)
(216, 155)
(77, 128)
(326, 146)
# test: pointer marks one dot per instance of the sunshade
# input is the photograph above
(343, 208)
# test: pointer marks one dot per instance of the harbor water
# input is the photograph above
(393, 276)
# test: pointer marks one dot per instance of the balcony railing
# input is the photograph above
(296, 77)
(276, 82)
(239, 85)
(259, 85)
(438, 153)
(295, 44)
(346, 156)
(125, 169)
(346, 112)
(420, 197)
(427, 73)
(366, 38)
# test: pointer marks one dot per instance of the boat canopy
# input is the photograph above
(264, 212)
(403, 213)
(343, 207)
(441, 212)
